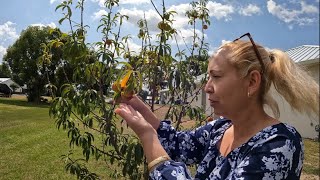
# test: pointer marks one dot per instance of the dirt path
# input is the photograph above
(309, 177)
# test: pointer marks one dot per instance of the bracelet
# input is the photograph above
(157, 161)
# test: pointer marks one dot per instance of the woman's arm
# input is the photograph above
(185, 146)
(162, 168)
(146, 133)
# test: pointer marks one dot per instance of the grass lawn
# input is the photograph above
(31, 145)
(311, 157)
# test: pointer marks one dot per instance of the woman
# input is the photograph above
(246, 143)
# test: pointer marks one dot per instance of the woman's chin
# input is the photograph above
(218, 113)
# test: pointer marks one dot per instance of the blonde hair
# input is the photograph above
(297, 87)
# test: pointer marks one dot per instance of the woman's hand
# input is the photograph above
(137, 104)
(146, 133)
(135, 120)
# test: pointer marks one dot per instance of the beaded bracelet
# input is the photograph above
(157, 161)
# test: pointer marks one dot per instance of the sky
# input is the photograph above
(280, 24)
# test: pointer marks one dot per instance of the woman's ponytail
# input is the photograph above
(298, 88)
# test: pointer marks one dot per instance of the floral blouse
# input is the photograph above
(276, 152)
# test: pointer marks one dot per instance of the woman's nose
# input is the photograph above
(208, 87)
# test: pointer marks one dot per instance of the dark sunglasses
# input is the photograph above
(255, 50)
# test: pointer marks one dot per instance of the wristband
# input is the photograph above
(157, 161)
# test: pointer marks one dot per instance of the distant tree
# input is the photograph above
(22, 58)
(5, 71)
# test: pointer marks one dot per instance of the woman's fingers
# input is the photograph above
(124, 112)
(133, 111)
(134, 119)
(128, 113)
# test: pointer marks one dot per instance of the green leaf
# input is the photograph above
(138, 153)
(129, 153)
(59, 6)
(123, 148)
(69, 11)
(140, 80)
(61, 20)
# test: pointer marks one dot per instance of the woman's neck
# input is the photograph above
(250, 121)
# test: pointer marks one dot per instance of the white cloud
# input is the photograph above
(303, 16)
(8, 34)
(135, 2)
(135, 15)
(250, 10)
(52, 25)
(180, 22)
(220, 11)
(213, 50)
(52, 1)
(98, 14)
(185, 36)
(8, 31)
(223, 41)
(217, 10)
(133, 46)
(180, 18)
(3, 51)
(100, 2)
(309, 8)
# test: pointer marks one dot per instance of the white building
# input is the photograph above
(6, 85)
(306, 56)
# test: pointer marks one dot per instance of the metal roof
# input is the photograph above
(304, 53)
(4, 79)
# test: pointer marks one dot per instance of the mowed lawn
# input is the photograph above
(31, 145)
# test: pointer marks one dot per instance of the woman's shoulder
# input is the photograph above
(289, 130)
(286, 130)
(277, 133)
(277, 148)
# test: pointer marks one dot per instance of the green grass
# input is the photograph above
(31, 145)
(311, 157)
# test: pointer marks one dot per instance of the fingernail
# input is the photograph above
(117, 111)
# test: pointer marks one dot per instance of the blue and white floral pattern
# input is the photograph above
(276, 152)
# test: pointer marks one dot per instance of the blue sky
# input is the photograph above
(281, 24)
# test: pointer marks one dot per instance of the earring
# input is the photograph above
(249, 94)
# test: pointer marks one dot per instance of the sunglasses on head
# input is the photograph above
(255, 50)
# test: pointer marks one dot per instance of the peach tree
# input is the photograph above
(95, 72)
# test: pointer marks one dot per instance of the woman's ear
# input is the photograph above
(254, 82)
